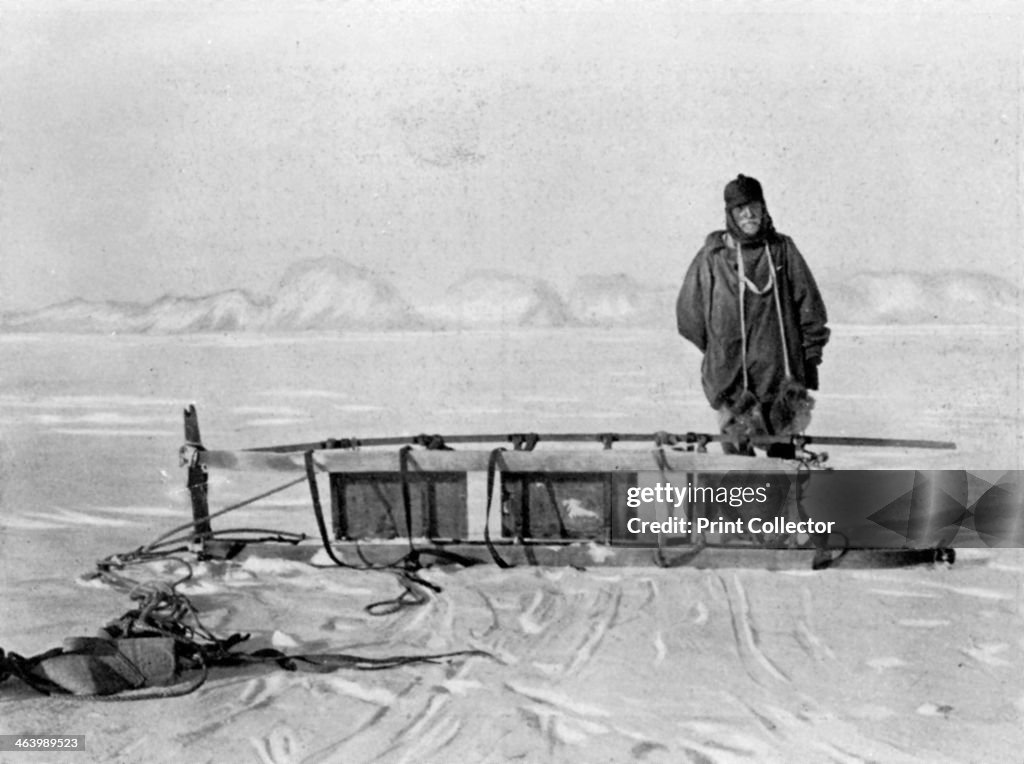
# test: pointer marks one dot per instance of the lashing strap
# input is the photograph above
(492, 467)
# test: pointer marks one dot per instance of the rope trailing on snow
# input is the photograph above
(414, 587)
(136, 656)
(191, 525)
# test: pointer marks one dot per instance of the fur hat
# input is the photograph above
(742, 191)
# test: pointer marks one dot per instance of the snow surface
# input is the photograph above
(607, 664)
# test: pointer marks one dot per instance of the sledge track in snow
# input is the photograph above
(739, 662)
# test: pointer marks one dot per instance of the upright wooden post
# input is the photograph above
(197, 480)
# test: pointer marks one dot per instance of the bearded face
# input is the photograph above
(749, 217)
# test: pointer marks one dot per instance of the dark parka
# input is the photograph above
(708, 315)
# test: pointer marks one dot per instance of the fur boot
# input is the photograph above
(790, 412)
(742, 420)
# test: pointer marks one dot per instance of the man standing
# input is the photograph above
(751, 306)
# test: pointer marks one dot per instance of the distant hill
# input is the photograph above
(909, 297)
(329, 294)
(325, 294)
(492, 299)
(222, 312)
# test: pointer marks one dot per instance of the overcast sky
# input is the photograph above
(191, 147)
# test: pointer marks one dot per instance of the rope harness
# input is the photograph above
(145, 653)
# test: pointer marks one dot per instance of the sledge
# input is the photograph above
(579, 499)
(399, 503)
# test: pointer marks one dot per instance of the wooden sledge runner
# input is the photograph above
(569, 499)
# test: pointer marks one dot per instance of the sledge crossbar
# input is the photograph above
(622, 460)
(659, 438)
